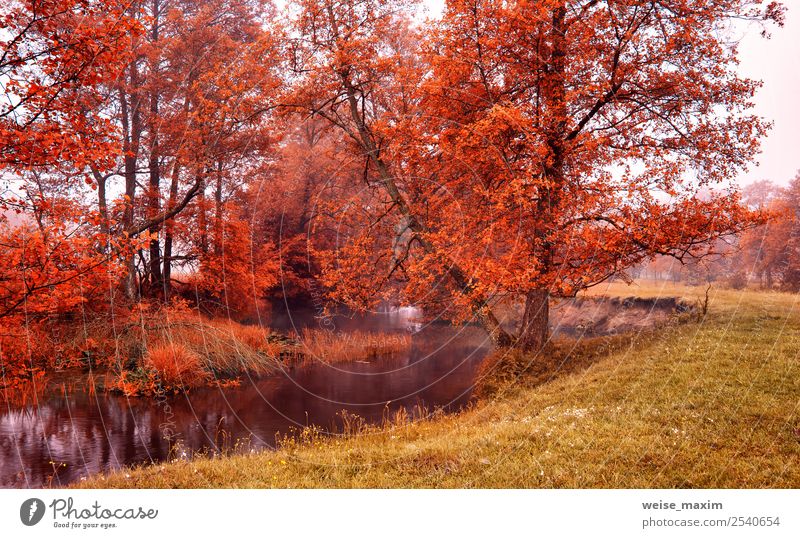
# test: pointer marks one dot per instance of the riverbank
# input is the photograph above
(156, 349)
(712, 404)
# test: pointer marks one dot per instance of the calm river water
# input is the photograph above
(66, 437)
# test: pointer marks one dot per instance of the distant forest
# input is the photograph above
(767, 256)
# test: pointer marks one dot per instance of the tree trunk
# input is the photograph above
(154, 166)
(534, 331)
(499, 336)
(169, 226)
(102, 203)
(201, 214)
(131, 128)
(153, 197)
(156, 278)
(218, 239)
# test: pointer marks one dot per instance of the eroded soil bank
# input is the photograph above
(598, 316)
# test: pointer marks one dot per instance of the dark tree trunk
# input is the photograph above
(534, 330)
(154, 166)
(490, 323)
(201, 214)
(156, 278)
(132, 130)
(102, 202)
(168, 230)
(169, 225)
(102, 205)
(153, 196)
(218, 239)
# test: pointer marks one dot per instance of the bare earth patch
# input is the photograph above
(598, 316)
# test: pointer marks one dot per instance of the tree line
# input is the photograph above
(765, 256)
(223, 152)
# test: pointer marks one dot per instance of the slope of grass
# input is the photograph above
(712, 404)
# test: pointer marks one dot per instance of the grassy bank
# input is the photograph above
(709, 404)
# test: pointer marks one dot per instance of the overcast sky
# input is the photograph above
(776, 61)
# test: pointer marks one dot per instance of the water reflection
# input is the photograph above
(385, 319)
(67, 437)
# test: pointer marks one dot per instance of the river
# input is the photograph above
(72, 434)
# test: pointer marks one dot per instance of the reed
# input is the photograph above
(332, 347)
(225, 348)
(175, 366)
(25, 391)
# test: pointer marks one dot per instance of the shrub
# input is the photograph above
(500, 370)
(737, 281)
(175, 367)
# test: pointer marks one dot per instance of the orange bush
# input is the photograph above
(255, 337)
(174, 366)
(125, 384)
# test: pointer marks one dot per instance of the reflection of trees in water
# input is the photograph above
(68, 438)
(93, 434)
(386, 319)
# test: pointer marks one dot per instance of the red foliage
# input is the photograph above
(771, 253)
(174, 367)
(546, 149)
(234, 280)
(512, 149)
(54, 57)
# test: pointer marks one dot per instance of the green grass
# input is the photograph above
(711, 404)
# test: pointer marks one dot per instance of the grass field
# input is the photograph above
(710, 404)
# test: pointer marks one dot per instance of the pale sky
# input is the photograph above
(776, 61)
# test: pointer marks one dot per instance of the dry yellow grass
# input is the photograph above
(225, 347)
(711, 404)
(175, 366)
(176, 350)
(332, 347)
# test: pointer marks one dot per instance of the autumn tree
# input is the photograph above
(54, 58)
(192, 107)
(359, 69)
(532, 148)
(789, 222)
(49, 51)
(771, 252)
(221, 133)
(105, 101)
